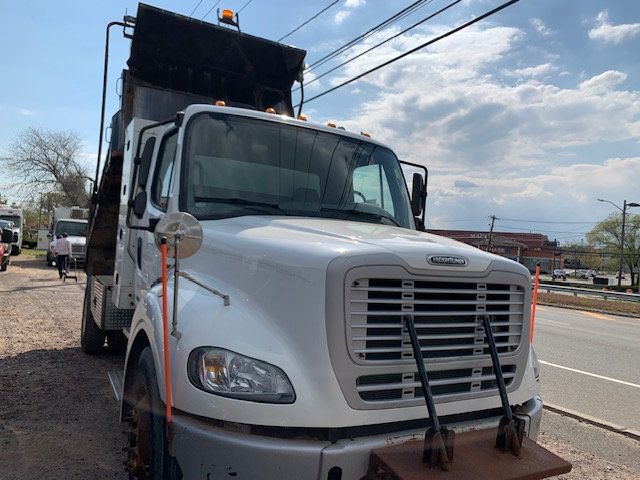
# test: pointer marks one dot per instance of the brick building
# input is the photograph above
(525, 248)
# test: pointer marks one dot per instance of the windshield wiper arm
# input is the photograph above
(355, 212)
(242, 201)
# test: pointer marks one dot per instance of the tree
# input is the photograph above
(47, 162)
(606, 235)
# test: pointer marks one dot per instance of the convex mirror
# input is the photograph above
(184, 226)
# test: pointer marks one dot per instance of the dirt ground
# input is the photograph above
(58, 416)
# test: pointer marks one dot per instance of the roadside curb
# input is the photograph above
(612, 427)
(595, 310)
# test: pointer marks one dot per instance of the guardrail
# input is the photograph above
(627, 297)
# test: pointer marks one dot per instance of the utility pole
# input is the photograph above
(493, 221)
(624, 218)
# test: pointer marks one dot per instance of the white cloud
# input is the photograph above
(341, 16)
(540, 27)
(604, 81)
(612, 33)
(535, 71)
(520, 143)
(26, 112)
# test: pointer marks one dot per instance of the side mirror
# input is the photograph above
(144, 163)
(7, 236)
(418, 195)
(140, 204)
(15, 237)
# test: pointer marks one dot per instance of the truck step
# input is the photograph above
(475, 458)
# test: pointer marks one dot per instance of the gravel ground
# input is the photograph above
(58, 417)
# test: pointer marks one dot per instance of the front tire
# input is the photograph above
(15, 250)
(91, 337)
(148, 452)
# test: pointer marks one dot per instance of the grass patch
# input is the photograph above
(31, 252)
(585, 303)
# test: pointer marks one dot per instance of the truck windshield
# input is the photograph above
(11, 218)
(75, 229)
(245, 166)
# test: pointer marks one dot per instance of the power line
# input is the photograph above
(309, 20)
(195, 8)
(413, 50)
(420, 22)
(211, 9)
(385, 23)
(244, 6)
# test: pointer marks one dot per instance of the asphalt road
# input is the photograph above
(590, 363)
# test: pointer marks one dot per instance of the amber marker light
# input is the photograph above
(220, 103)
(270, 110)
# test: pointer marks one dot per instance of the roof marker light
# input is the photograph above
(270, 110)
(331, 124)
(365, 134)
(302, 117)
(220, 103)
(227, 14)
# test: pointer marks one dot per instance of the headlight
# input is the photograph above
(536, 364)
(230, 374)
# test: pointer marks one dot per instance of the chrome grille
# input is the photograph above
(77, 249)
(448, 317)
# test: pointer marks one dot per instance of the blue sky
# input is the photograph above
(530, 115)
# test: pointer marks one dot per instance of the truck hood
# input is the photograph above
(315, 242)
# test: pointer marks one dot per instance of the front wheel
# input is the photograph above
(148, 453)
(15, 250)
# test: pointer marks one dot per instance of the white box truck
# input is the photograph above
(14, 215)
(289, 355)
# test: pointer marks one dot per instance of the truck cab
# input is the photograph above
(289, 356)
(77, 236)
(15, 216)
(7, 235)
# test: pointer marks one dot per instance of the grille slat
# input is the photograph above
(433, 383)
(448, 317)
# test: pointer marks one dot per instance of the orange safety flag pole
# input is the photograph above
(536, 283)
(165, 328)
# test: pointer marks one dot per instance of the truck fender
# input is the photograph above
(144, 332)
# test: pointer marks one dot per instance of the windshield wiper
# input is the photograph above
(355, 212)
(253, 204)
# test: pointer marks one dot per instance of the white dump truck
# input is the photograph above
(73, 222)
(11, 214)
(290, 351)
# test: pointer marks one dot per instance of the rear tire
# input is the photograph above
(15, 250)
(148, 446)
(91, 337)
(3, 267)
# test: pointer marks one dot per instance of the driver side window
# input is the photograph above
(370, 186)
(164, 171)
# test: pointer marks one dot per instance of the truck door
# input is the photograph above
(150, 199)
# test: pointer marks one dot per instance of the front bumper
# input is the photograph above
(205, 450)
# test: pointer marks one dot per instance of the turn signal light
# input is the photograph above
(270, 110)
(302, 117)
(220, 103)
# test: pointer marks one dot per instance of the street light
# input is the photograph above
(624, 214)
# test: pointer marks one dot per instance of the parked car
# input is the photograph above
(6, 234)
(585, 273)
(559, 273)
